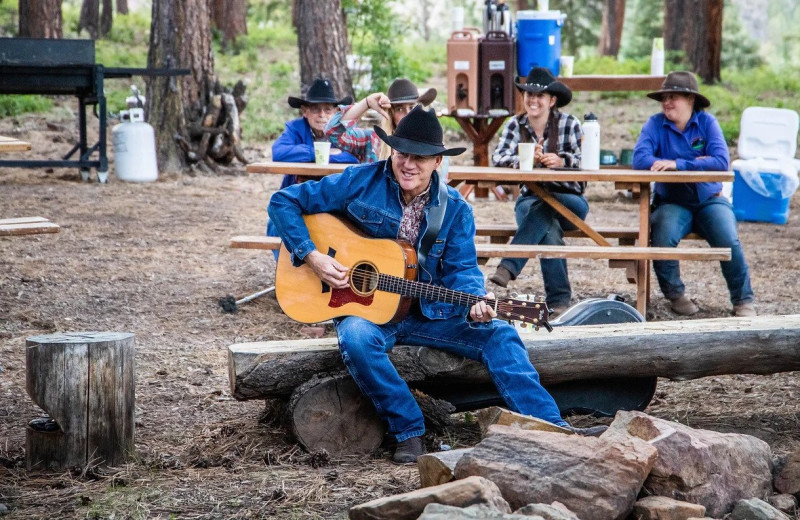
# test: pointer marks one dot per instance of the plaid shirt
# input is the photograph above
(347, 136)
(569, 147)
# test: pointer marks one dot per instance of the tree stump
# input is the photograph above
(331, 413)
(85, 382)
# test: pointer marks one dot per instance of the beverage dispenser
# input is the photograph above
(462, 72)
(497, 74)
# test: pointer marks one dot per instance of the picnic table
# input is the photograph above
(636, 260)
(11, 144)
(481, 128)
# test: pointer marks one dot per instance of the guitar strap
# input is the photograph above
(435, 219)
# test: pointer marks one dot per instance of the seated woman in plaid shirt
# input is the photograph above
(558, 140)
(400, 99)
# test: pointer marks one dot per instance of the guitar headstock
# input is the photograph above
(528, 311)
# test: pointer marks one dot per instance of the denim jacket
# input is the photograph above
(369, 196)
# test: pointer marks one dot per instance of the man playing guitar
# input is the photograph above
(402, 198)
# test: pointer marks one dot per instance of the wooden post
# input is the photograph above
(85, 382)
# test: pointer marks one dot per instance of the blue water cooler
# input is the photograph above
(538, 40)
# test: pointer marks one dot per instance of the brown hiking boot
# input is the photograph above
(683, 306)
(501, 276)
(558, 310)
(744, 310)
(408, 450)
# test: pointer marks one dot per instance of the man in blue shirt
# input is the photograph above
(399, 198)
(686, 137)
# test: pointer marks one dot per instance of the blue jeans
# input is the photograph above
(538, 223)
(713, 220)
(272, 231)
(365, 347)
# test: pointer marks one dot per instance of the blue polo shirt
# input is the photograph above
(700, 147)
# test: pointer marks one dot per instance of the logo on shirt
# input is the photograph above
(698, 143)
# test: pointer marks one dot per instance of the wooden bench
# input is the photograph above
(627, 236)
(27, 226)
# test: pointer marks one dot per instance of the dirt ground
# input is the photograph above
(153, 259)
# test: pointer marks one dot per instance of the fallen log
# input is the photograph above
(677, 350)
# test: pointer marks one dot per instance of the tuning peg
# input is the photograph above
(548, 327)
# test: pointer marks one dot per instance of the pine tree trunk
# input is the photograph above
(611, 34)
(322, 41)
(695, 27)
(40, 19)
(122, 6)
(230, 17)
(90, 15)
(180, 37)
(106, 17)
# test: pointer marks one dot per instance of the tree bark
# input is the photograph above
(90, 16)
(323, 52)
(676, 350)
(40, 19)
(122, 6)
(180, 37)
(695, 27)
(106, 17)
(611, 33)
(230, 17)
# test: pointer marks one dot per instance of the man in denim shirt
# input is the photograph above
(394, 199)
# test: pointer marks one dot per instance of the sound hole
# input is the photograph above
(364, 279)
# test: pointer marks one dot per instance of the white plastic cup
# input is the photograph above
(322, 152)
(526, 151)
(566, 66)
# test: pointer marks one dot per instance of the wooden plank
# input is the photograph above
(31, 228)
(602, 253)
(256, 242)
(605, 83)
(22, 220)
(10, 144)
(568, 214)
(509, 230)
(678, 350)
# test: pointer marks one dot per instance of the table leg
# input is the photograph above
(567, 214)
(643, 271)
(480, 131)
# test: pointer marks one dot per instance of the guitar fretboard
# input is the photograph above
(414, 289)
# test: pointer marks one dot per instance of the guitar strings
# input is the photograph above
(369, 279)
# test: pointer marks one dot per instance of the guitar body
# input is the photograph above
(305, 298)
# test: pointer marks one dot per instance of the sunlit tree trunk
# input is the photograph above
(695, 27)
(180, 37)
(611, 32)
(323, 53)
(40, 19)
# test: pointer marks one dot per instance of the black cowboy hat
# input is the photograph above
(321, 91)
(681, 82)
(541, 79)
(403, 91)
(419, 133)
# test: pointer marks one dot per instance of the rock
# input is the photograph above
(496, 415)
(3, 509)
(596, 479)
(699, 466)
(442, 512)
(786, 503)
(437, 468)
(663, 508)
(408, 506)
(755, 509)
(554, 511)
(788, 478)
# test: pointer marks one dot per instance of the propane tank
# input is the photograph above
(134, 148)
(590, 144)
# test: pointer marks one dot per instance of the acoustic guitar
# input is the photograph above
(382, 276)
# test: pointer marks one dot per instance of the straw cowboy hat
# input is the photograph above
(541, 79)
(321, 91)
(403, 91)
(681, 82)
(419, 133)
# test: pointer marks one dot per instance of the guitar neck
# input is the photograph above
(414, 289)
